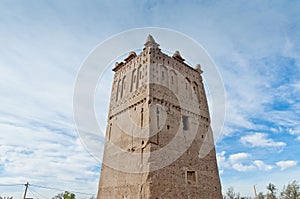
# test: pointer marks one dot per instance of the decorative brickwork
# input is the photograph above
(156, 100)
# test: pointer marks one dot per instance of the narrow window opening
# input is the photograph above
(133, 79)
(185, 122)
(168, 127)
(118, 90)
(123, 86)
(142, 118)
(142, 155)
(109, 132)
(157, 117)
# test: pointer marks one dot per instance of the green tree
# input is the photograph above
(272, 191)
(261, 195)
(231, 194)
(291, 191)
(65, 195)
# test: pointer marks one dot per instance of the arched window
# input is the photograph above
(118, 90)
(133, 80)
(196, 90)
(139, 76)
(123, 86)
(164, 75)
(188, 88)
(173, 81)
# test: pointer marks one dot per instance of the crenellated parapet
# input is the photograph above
(154, 66)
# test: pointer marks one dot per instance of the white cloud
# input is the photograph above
(261, 140)
(238, 157)
(242, 168)
(38, 66)
(237, 161)
(286, 164)
(241, 162)
(262, 166)
(45, 156)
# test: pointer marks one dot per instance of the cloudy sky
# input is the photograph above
(255, 45)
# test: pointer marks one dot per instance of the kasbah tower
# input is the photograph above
(159, 144)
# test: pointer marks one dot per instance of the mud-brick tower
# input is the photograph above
(158, 140)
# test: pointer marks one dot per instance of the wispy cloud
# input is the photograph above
(243, 162)
(238, 157)
(262, 166)
(258, 57)
(46, 155)
(238, 161)
(242, 168)
(260, 140)
(286, 164)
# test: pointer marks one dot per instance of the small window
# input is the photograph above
(191, 176)
(185, 122)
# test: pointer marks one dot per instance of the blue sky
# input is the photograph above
(255, 45)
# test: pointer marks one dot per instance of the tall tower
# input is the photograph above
(159, 143)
